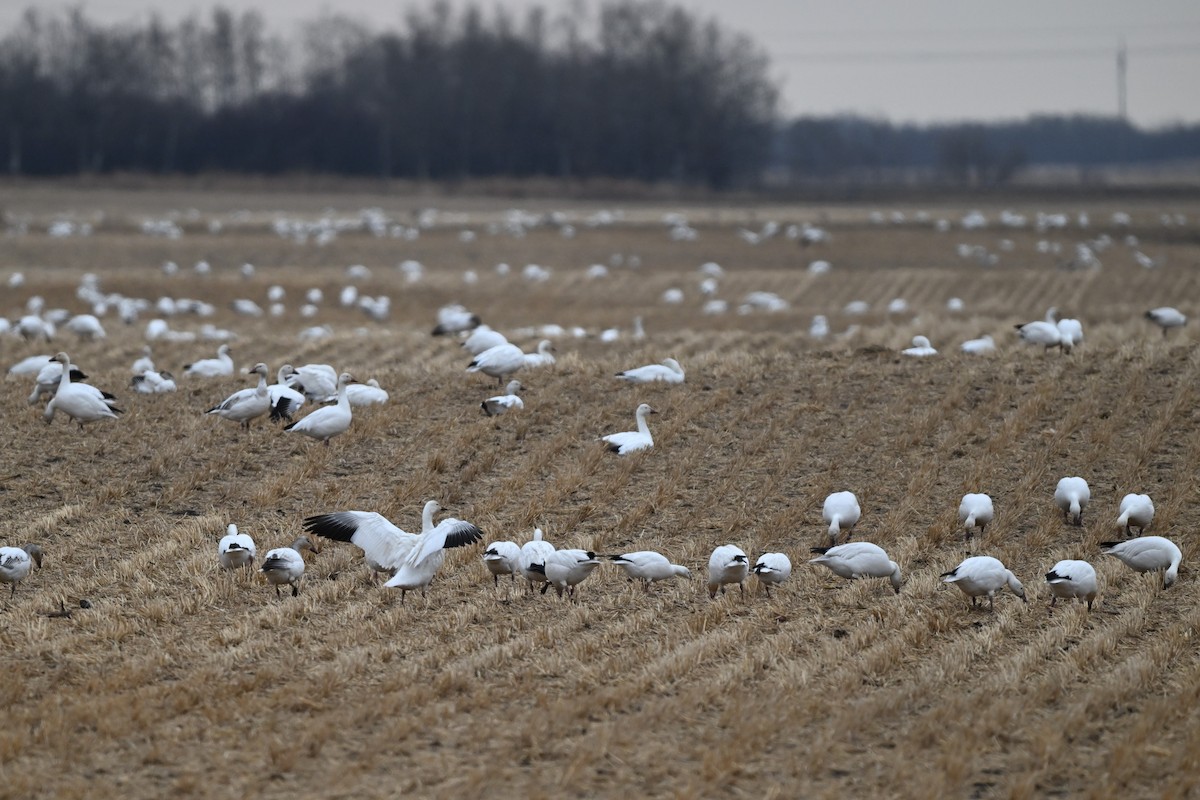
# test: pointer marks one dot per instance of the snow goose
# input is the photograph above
(544, 357)
(284, 399)
(144, 363)
(1071, 331)
(648, 567)
(841, 512)
(1137, 511)
(318, 382)
(48, 379)
(668, 371)
(502, 404)
(483, 338)
(236, 549)
(857, 560)
(151, 382)
(983, 575)
(328, 421)
(79, 401)
(726, 565)
(975, 511)
(920, 348)
(566, 569)
(771, 569)
(1072, 579)
(1148, 554)
(1166, 318)
(1044, 333)
(499, 362)
(86, 327)
(429, 551)
(1072, 496)
(217, 367)
(285, 565)
(502, 558)
(982, 346)
(366, 394)
(245, 405)
(632, 441)
(533, 554)
(17, 562)
(29, 367)
(453, 319)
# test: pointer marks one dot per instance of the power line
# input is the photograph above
(1026, 53)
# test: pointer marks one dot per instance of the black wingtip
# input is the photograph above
(538, 568)
(949, 574)
(1109, 544)
(331, 526)
(77, 375)
(281, 410)
(821, 550)
(116, 410)
(1054, 576)
(290, 425)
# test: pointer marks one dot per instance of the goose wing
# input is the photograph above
(448, 533)
(380, 540)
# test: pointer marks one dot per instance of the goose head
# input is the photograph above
(35, 552)
(303, 543)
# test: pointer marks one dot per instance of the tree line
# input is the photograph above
(637, 89)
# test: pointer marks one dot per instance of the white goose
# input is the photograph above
(566, 569)
(1148, 554)
(79, 401)
(632, 441)
(48, 379)
(668, 371)
(317, 381)
(328, 421)
(366, 394)
(499, 362)
(1072, 579)
(143, 363)
(921, 348)
(483, 338)
(1166, 318)
(975, 511)
(29, 367)
(1072, 496)
(982, 346)
(648, 567)
(727, 565)
(236, 549)
(217, 367)
(151, 382)
(772, 569)
(983, 575)
(285, 400)
(246, 405)
(414, 557)
(285, 565)
(1044, 333)
(502, 558)
(857, 560)
(841, 512)
(534, 553)
(544, 357)
(453, 319)
(17, 562)
(1137, 511)
(503, 403)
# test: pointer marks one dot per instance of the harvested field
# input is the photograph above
(184, 680)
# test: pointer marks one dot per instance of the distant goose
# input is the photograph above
(1072, 496)
(566, 569)
(499, 362)
(841, 512)
(285, 565)
(1044, 333)
(48, 379)
(974, 511)
(1148, 554)
(483, 338)
(982, 346)
(151, 382)
(361, 395)
(246, 405)
(983, 575)
(668, 371)
(534, 553)
(544, 357)
(1072, 579)
(632, 441)
(285, 400)
(17, 562)
(218, 367)
(772, 569)
(453, 319)
(502, 558)
(920, 348)
(648, 567)
(1166, 318)
(857, 560)
(236, 549)
(1137, 511)
(29, 367)
(328, 421)
(143, 363)
(727, 565)
(502, 404)
(79, 401)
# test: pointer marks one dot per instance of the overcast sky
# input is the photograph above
(906, 60)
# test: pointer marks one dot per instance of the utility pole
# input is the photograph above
(1122, 61)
